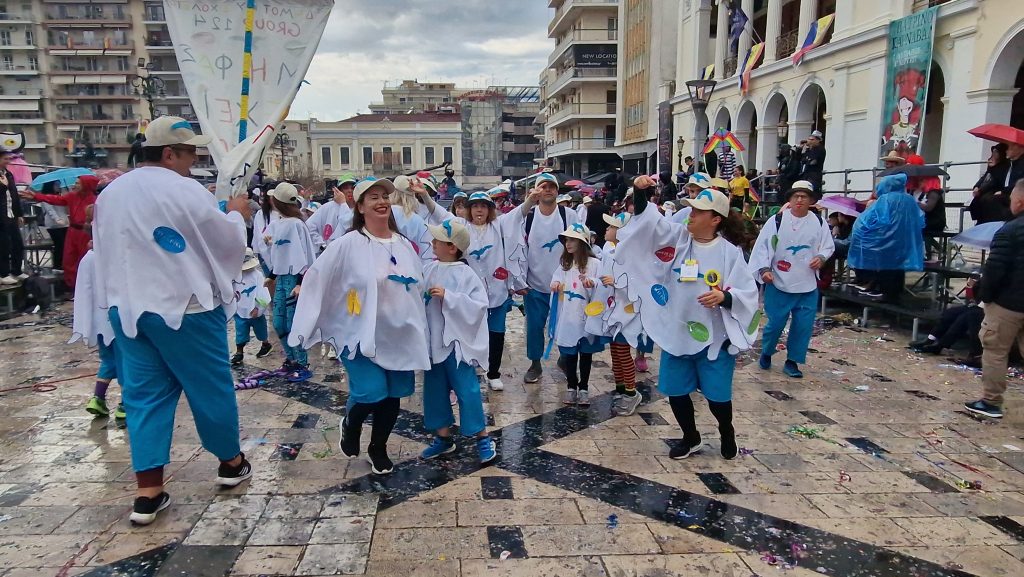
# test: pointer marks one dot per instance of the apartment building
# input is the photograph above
(581, 98)
(498, 136)
(412, 96)
(66, 72)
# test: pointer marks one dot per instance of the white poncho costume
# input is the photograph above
(288, 246)
(90, 321)
(458, 322)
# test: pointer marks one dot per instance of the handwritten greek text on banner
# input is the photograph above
(242, 62)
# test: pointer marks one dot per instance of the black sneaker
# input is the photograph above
(380, 463)
(236, 359)
(228, 476)
(147, 508)
(684, 449)
(349, 443)
(533, 373)
(981, 407)
(264, 350)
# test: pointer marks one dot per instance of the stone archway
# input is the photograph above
(930, 146)
(1006, 80)
(811, 108)
(746, 132)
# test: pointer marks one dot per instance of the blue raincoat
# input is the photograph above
(887, 236)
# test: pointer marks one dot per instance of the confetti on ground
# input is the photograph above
(613, 521)
(505, 555)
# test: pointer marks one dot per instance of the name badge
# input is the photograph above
(688, 271)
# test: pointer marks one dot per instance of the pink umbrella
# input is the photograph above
(106, 175)
(842, 204)
(22, 173)
(574, 183)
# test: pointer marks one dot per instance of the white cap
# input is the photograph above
(699, 179)
(617, 221)
(587, 200)
(578, 231)
(816, 134)
(171, 130)
(451, 231)
(286, 193)
(710, 199)
(250, 261)
(369, 182)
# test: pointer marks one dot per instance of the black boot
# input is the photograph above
(352, 428)
(723, 413)
(385, 415)
(682, 408)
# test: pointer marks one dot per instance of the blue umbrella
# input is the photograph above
(980, 235)
(65, 176)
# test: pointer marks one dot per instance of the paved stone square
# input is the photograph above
(874, 480)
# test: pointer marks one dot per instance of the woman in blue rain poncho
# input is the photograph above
(886, 240)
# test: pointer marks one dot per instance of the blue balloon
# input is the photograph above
(169, 239)
(223, 206)
(660, 294)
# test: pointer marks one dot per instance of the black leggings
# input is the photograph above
(583, 361)
(497, 344)
(385, 415)
(682, 408)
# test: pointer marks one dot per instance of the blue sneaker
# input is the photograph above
(299, 374)
(765, 362)
(440, 446)
(792, 370)
(485, 446)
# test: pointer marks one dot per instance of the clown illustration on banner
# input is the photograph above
(908, 66)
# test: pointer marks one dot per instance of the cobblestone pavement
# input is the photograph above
(876, 480)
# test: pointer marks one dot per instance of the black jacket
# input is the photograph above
(812, 165)
(1004, 269)
(1016, 173)
(9, 196)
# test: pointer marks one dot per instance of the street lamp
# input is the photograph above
(679, 146)
(148, 86)
(281, 140)
(700, 95)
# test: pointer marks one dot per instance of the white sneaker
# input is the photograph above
(9, 280)
(583, 398)
(496, 384)
(22, 276)
(570, 397)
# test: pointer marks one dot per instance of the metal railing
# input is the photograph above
(568, 4)
(580, 144)
(571, 108)
(786, 45)
(574, 72)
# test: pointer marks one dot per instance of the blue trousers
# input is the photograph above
(779, 306)
(158, 365)
(437, 408)
(108, 361)
(538, 305)
(284, 312)
(496, 317)
(368, 383)
(258, 326)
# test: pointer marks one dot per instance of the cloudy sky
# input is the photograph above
(473, 43)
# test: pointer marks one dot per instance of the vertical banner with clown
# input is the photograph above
(908, 65)
(242, 63)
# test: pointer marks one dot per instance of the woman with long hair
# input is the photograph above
(698, 302)
(364, 296)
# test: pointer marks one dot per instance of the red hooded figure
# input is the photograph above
(82, 195)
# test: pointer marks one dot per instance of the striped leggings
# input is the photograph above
(623, 368)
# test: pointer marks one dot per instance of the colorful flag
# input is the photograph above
(749, 63)
(722, 136)
(815, 37)
(737, 22)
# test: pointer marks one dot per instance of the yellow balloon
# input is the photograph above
(629, 309)
(593, 309)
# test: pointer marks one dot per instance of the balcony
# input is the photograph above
(17, 47)
(88, 16)
(580, 146)
(569, 11)
(786, 45)
(10, 69)
(94, 48)
(522, 148)
(584, 36)
(15, 18)
(569, 111)
(575, 74)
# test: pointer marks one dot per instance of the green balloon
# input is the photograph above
(775, 241)
(754, 323)
(698, 331)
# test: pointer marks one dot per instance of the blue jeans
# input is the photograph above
(158, 365)
(258, 326)
(678, 376)
(496, 316)
(779, 306)
(284, 312)
(437, 408)
(538, 306)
